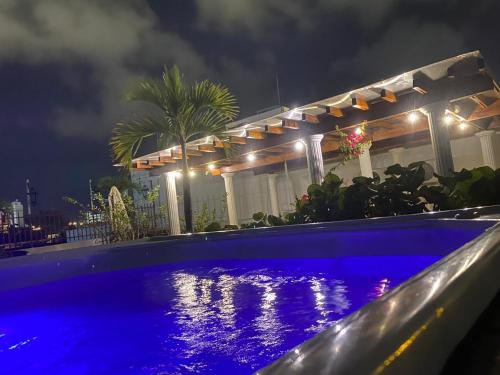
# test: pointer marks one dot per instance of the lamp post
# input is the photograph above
(30, 196)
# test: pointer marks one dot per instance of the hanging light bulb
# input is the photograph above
(299, 145)
(358, 131)
(177, 174)
(448, 119)
(251, 157)
(192, 173)
(211, 167)
(412, 117)
(462, 125)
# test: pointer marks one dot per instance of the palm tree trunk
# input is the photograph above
(186, 186)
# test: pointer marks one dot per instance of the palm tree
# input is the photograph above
(187, 112)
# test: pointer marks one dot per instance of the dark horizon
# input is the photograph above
(65, 64)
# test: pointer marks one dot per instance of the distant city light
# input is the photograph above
(412, 117)
(299, 145)
(250, 157)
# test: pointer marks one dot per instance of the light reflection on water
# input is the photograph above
(206, 311)
(220, 317)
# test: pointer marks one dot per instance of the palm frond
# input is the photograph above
(127, 138)
(208, 95)
(147, 91)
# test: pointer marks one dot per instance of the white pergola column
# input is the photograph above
(171, 200)
(487, 149)
(273, 194)
(440, 138)
(365, 163)
(397, 155)
(315, 158)
(231, 203)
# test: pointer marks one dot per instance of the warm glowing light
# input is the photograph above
(299, 145)
(177, 174)
(251, 157)
(358, 131)
(448, 119)
(412, 117)
(211, 167)
(192, 173)
(462, 126)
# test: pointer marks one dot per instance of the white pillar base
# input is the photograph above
(231, 203)
(273, 194)
(171, 200)
(365, 163)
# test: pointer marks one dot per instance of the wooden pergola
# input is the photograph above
(460, 87)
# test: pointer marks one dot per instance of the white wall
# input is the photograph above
(251, 191)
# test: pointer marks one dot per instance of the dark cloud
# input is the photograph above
(64, 64)
(258, 17)
(403, 46)
(118, 41)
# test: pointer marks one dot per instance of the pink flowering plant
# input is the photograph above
(353, 144)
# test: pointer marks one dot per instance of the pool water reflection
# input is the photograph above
(228, 316)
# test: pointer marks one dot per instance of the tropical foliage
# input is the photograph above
(405, 190)
(467, 188)
(186, 112)
(129, 222)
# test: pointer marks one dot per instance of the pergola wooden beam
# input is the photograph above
(274, 130)
(388, 96)
(483, 112)
(445, 89)
(334, 111)
(359, 102)
(207, 148)
(255, 134)
(237, 140)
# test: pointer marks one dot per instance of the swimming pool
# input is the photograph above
(207, 304)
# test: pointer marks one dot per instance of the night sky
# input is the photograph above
(64, 65)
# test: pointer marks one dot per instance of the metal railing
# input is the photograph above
(22, 231)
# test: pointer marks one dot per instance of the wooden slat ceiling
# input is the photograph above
(472, 93)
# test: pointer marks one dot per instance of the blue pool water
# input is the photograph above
(226, 316)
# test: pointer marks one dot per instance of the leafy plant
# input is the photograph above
(260, 219)
(399, 194)
(212, 227)
(203, 218)
(467, 188)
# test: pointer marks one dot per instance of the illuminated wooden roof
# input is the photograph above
(462, 80)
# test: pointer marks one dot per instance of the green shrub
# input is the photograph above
(213, 227)
(467, 188)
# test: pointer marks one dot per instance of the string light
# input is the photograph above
(299, 145)
(192, 173)
(412, 117)
(358, 131)
(211, 167)
(462, 126)
(250, 157)
(448, 119)
(177, 174)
